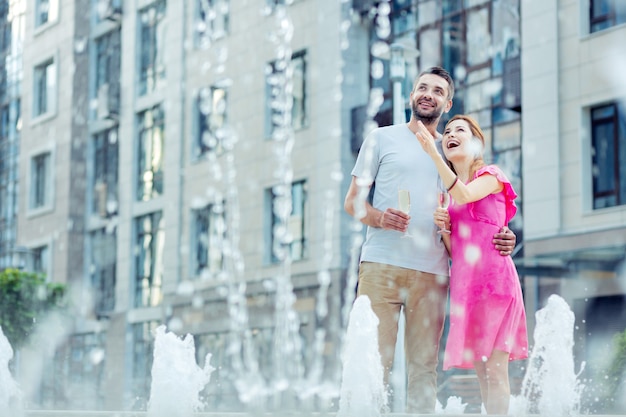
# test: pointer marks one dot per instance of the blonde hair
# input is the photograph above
(476, 133)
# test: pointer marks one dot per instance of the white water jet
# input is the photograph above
(454, 405)
(550, 386)
(363, 391)
(10, 393)
(176, 378)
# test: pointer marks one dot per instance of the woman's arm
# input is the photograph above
(476, 190)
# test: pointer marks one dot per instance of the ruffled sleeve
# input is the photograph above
(509, 193)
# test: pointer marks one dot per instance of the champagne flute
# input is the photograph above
(444, 202)
(404, 204)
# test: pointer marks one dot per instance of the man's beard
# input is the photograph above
(427, 119)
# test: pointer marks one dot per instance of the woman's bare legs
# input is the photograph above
(493, 377)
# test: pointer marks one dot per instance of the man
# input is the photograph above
(403, 261)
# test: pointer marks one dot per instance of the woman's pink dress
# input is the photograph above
(486, 305)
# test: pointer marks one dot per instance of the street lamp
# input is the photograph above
(399, 54)
(397, 72)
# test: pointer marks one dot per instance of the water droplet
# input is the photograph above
(377, 69)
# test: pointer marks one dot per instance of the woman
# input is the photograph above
(487, 318)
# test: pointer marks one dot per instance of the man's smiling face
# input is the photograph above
(429, 98)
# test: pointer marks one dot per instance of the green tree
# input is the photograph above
(617, 368)
(26, 297)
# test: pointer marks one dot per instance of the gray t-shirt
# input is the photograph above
(393, 159)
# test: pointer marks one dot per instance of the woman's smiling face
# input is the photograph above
(456, 136)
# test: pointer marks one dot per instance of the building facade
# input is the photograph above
(574, 178)
(185, 162)
(182, 163)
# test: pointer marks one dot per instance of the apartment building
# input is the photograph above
(182, 163)
(574, 147)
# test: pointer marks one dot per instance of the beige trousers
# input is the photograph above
(423, 296)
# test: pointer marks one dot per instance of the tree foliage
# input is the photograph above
(617, 368)
(26, 297)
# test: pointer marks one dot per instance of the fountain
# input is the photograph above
(176, 379)
(10, 394)
(550, 387)
(363, 392)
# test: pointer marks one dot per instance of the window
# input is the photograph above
(107, 75)
(209, 239)
(6, 24)
(105, 181)
(84, 374)
(211, 107)
(142, 353)
(213, 21)
(46, 11)
(287, 222)
(45, 88)
(608, 141)
(150, 163)
(604, 14)
(41, 195)
(41, 259)
(108, 10)
(298, 115)
(149, 240)
(278, 117)
(152, 47)
(217, 345)
(404, 18)
(9, 141)
(103, 257)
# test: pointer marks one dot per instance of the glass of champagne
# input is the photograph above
(404, 204)
(444, 202)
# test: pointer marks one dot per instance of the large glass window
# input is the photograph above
(277, 101)
(150, 155)
(104, 183)
(45, 88)
(143, 350)
(211, 116)
(107, 74)
(152, 47)
(12, 17)
(287, 221)
(84, 371)
(5, 28)
(41, 195)
(103, 264)
(213, 21)
(149, 241)
(604, 14)
(608, 141)
(220, 387)
(209, 239)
